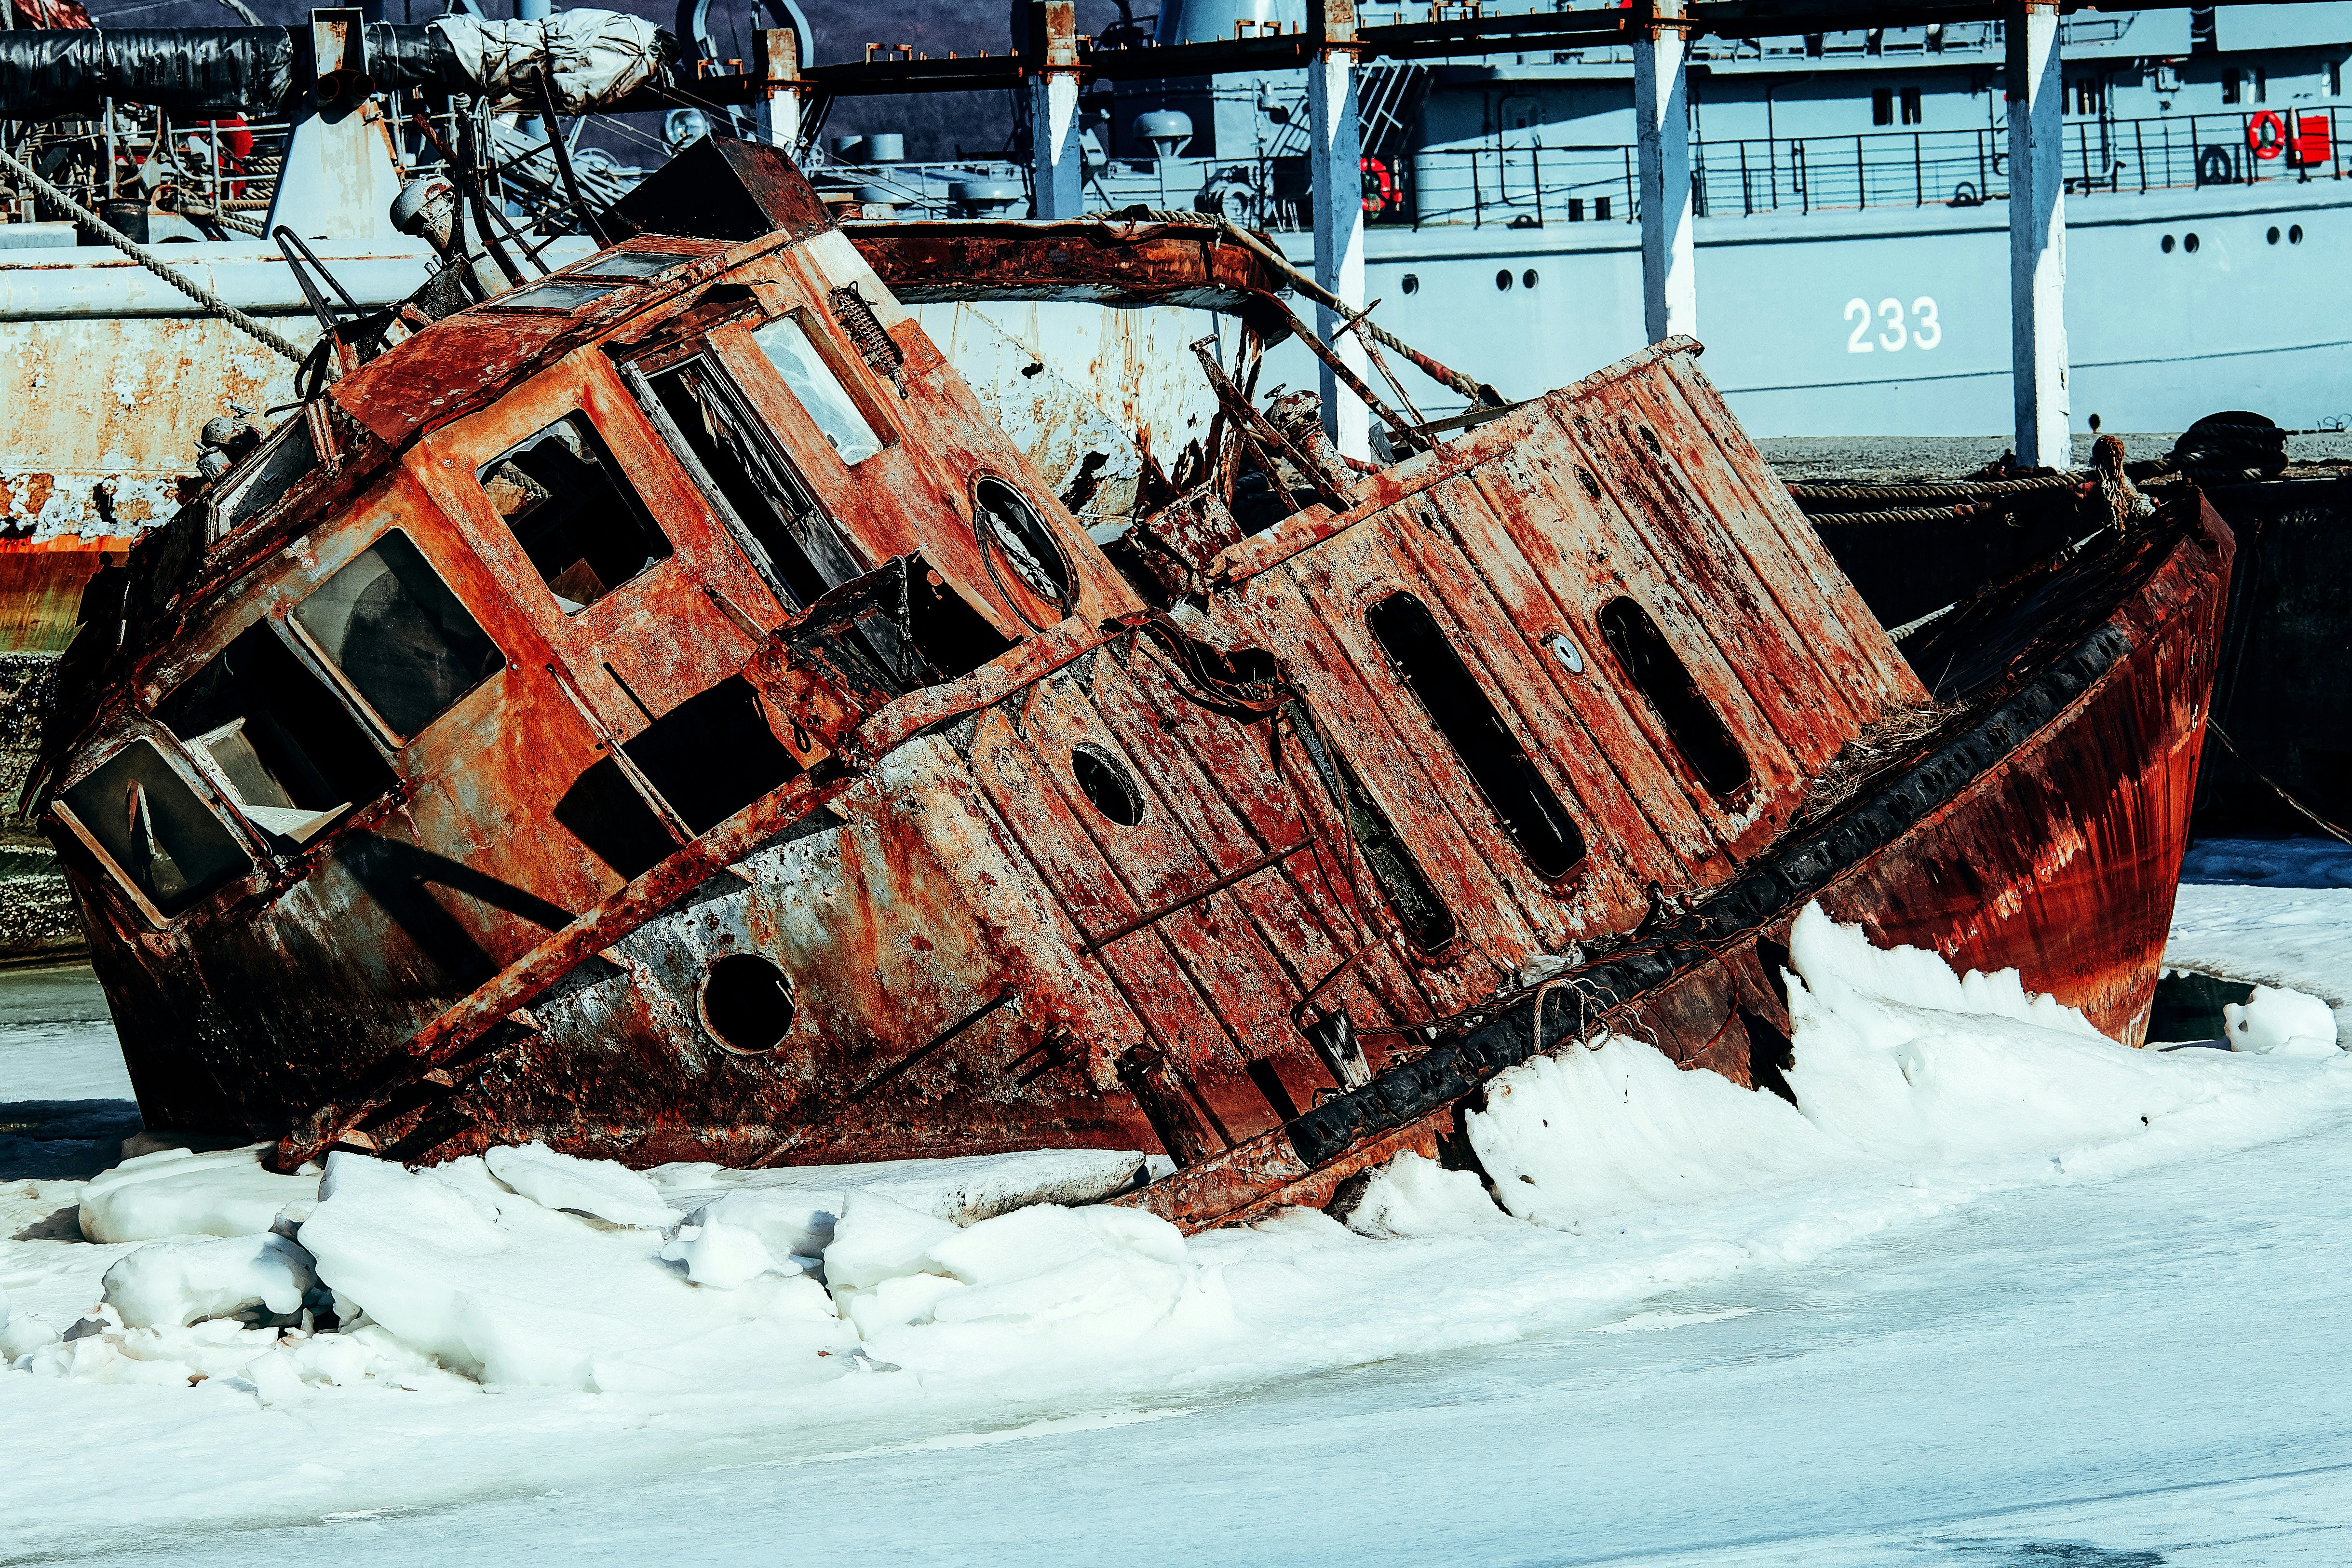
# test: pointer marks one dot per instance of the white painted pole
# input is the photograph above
(1057, 173)
(1662, 131)
(780, 65)
(2037, 237)
(1336, 169)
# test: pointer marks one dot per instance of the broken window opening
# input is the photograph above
(1424, 660)
(604, 810)
(796, 547)
(713, 754)
(286, 458)
(1428, 924)
(573, 512)
(1697, 732)
(398, 635)
(1007, 526)
(952, 638)
(161, 838)
(275, 739)
(787, 343)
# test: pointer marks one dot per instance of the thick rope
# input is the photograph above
(154, 263)
(1935, 490)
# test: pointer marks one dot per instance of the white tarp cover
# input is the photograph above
(598, 57)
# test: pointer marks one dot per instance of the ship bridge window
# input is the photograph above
(1911, 112)
(162, 839)
(575, 516)
(281, 464)
(788, 343)
(281, 746)
(398, 635)
(1696, 729)
(555, 294)
(795, 546)
(1882, 105)
(631, 264)
(1425, 661)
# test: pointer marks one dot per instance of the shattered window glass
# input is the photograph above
(556, 294)
(281, 464)
(577, 519)
(162, 839)
(285, 749)
(786, 343)
(632, 264)
(394, 629)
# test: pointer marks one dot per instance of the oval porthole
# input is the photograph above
(1413, 282)
(2295, 234)
(1528, 279)
(2273, 236)
(1010, 529)
(2190, 245)
(1502, 280)
(2167, 245)
(746, 1003)
(1104, 780)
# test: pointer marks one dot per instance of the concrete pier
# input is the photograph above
(1337, 171)
(1662, 136)
(2037, 236)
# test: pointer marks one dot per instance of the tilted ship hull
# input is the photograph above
(660, 712)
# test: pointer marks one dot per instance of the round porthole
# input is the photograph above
(1011, 531)
(2167, 245)
(746, 1003)
(2295, 234)
(1106, 785)
(1502, 280)
(1528, 279)
(1413, 282)
(2272, 236)
(2190, 245)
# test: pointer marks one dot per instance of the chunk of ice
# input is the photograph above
(599, 1188)
(170, 1284)
(2275, 1021)
(175, 1192)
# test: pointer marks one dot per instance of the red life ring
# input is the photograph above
(2266, 135)
(1379, 186)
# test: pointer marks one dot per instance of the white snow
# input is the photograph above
(598, 1188)
(2275, 1021)
(904, 1319)
(175, 1192)
(170, 1284)
(2274, 911)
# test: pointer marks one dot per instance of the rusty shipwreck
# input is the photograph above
(658, 710)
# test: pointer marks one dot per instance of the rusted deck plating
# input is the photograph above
(666, 719)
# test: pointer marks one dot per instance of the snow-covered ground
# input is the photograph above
(2003, 1293)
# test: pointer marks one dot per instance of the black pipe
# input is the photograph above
(202, 72)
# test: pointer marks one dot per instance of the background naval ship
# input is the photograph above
(1852, 265)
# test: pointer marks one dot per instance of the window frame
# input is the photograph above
(390, 738)
(606, 457)
(240, 832)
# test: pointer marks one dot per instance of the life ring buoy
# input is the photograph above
(2265, 134)
(1379, 186)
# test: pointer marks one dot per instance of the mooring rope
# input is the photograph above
(154, 263)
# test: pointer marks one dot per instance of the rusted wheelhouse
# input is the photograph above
(659, 711)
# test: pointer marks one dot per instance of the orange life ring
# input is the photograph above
(2266, 135)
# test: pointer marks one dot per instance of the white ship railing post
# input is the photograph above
(1057, 173)
(1661, 130)
(1336, 168)
(2037, 236)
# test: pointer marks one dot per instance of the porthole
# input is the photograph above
(1528, 279)
(746, 1003)
(1502, 280)
(1106, 785)
(2272, 236)
(2167, 245)
(2295, 234)
(1413, 282)
(2190, 245)
(1011, 532)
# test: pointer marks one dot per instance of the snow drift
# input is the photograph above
(1607, 1176)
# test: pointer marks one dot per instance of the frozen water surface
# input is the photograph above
(1969, 1309)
